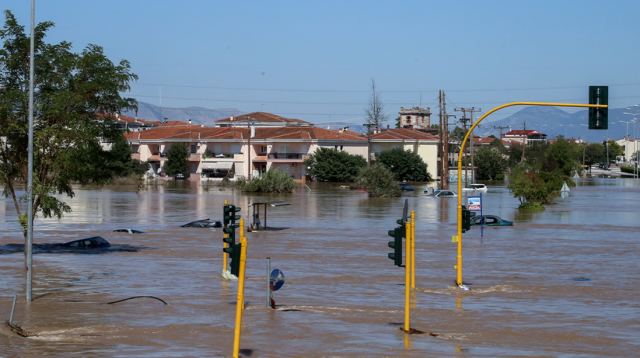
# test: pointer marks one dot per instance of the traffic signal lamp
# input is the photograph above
(598, 117)
(397, 234)
(229, 214)
(230, 231)
(234, 254)
(466, 219)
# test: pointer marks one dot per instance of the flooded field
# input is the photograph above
(561, 282)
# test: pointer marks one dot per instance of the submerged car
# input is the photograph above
(444, 194)
(406, 187)
(90, 245)
(204, 223)
(129, 231)
(490, 220)
(476, 187)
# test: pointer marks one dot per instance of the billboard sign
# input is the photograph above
(474, 203)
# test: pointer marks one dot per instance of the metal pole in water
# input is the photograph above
(13, 308)
(240, 298)
(407, 279)
(29, 243)
(268, 281)
(413, 249)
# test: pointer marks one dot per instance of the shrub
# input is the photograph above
(405, 165)
(273, 181)
(332, 165)
(378, 181)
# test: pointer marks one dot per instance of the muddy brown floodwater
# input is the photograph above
(562, 282)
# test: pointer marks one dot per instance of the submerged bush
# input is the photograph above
(378, 181)
(273, 181)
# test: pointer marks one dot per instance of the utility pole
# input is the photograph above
(249, 123)
(468, 118)
(500, 128)
(369, 133)
(28, 252)
(444, 140)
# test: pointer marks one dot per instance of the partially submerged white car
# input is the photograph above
(476, 187)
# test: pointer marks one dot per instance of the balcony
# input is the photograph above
(135, 156)
(222, 157)
(212, 155)
(287, 157)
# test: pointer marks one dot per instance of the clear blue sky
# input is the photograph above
(315, 59)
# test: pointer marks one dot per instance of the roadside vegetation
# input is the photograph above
(378, 181)
(405, 165)
(332, 165)
(538, 178)
(273, 181)
(75, 96)
(536, 172)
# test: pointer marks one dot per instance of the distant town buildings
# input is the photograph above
(631, 146)
(523, 136)
(250, 144)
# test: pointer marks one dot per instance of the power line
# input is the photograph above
(363, 104)
(333, 90)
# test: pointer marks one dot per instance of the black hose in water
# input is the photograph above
(134, 297)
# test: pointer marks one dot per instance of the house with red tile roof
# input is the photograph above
(261, 119)
(220, 151)
(523, 136)
(238, 151)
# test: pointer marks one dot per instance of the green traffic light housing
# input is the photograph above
(598, 117)
(398, 234)
(229, 214)
(466, 219)
(230, 230)
(234, 254)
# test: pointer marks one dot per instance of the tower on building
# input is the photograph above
(415, 117)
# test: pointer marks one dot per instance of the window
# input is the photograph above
(194, 148)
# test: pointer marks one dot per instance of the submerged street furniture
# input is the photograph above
(256, 224)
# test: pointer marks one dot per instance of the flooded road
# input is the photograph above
(561, 282)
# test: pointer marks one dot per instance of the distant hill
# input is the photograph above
(554, 122)
(200, 115)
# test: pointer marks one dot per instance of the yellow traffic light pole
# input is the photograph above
(240, 298)
(407, 279)
(413, 249)
(459, 281)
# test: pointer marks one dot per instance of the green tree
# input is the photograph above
(593, 153)
(331, 165)
(490, 164)
(615, 150)
(378, 181)
(273, 181)
(538, 179)
(560, 158)
(75, 97)
(404, 164)
(177, 160)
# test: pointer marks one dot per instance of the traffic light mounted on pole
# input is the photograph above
(398, 234)
(229, 237)
(599, 117)
(230, 216)
(466, 219)
(600, 101)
